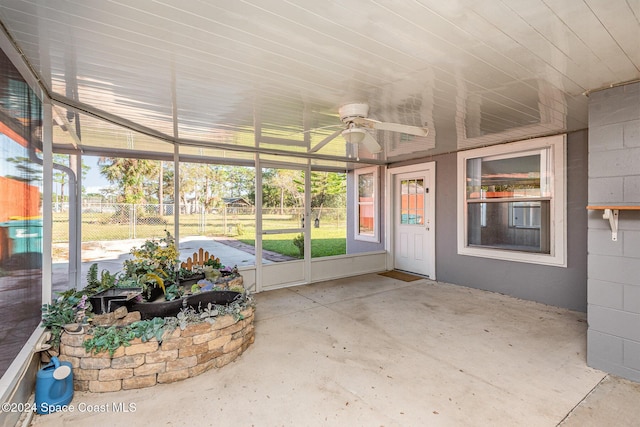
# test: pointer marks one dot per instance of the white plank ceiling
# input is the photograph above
(269, 75)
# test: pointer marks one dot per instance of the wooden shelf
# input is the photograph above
(617, 207)
(611, 212)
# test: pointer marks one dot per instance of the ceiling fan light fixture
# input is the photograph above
(371, 145)
(354, 135)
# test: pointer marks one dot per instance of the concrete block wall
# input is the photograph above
(613, 284)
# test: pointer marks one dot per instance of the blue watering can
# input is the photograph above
(54, 386)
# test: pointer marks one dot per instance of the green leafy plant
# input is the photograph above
(209, 314)
(70, 307)
(97, 284)
(185, 273)
(172, 292)
(92, 275)
(298, 241)
(154, 265)
(55, 316)
(234, 308)
(148, 329)
(186, 316)
(162, 254)
(109, 339)
(214, 263)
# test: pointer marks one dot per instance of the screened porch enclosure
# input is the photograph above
(302, 215)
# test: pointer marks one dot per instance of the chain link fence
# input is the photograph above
(118, 221)
(108, 227)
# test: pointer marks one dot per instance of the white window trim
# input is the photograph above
(558, 223)
(376, 205)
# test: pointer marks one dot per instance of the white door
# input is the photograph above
(413, 217)
(281, 225)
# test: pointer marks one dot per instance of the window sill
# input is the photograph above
(515, 256)
(372, 239)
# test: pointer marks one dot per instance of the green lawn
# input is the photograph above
(324, 242)
(329, 239)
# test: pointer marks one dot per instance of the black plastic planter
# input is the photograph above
(149, 310)
(102, 301)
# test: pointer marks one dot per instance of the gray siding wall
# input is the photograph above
(613, 338)
(559, 286)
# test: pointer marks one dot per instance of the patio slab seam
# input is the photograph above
(585, 397)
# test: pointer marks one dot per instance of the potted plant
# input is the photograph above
(70, 310)
(187, 277)
(153, 267)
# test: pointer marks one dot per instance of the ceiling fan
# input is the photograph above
(357, 123)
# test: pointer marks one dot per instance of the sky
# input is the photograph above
(94, 182)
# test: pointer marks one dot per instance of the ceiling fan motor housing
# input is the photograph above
(348, 112)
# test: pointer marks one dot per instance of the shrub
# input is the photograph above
(298, 241)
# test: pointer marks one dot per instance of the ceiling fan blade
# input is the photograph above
(325, 141)
(394, 127)
(371, 144)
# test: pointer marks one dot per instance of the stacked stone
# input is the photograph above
(181, 354)
(230, 282)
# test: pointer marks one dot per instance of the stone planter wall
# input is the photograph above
(182, 354)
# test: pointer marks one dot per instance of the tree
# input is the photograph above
(167, 180)
(186, 185)
(286, 182)
(211, 192)
(131, 177)
(61, 178)
(240, 182)
(328, 189)
(205, 182)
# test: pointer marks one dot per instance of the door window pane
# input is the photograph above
(412, 202)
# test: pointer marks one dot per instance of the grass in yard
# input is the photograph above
(328, 240)
(324, 242)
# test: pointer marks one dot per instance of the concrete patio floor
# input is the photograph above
(375, 351)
